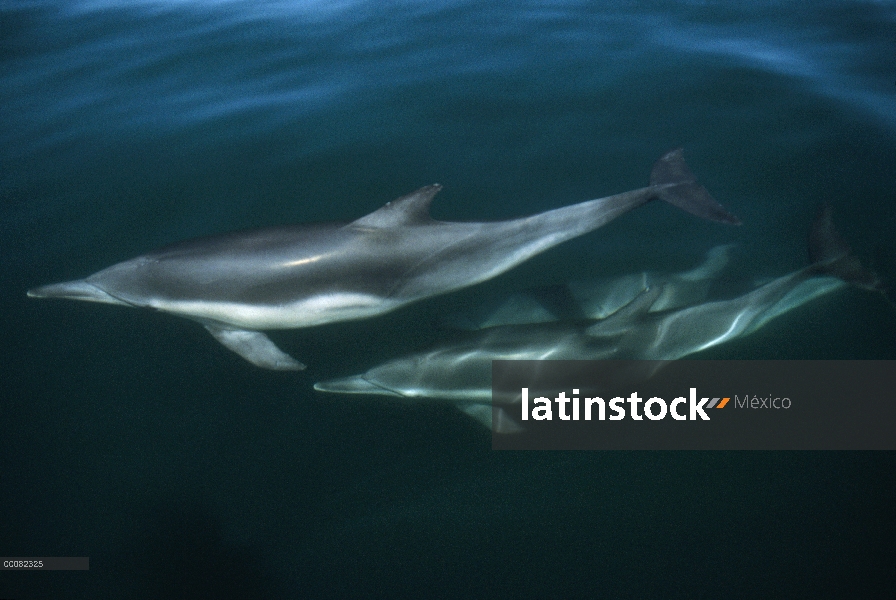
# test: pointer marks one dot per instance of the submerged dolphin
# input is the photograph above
(460, 372)
(599, 298)
(239, 284)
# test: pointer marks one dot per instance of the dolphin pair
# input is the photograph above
(240, 284)
(459, 372)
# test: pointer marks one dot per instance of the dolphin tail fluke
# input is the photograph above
(831, 255)
(255, 347)
(678, 186)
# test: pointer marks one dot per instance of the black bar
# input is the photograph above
(772, 405)
(44, 563)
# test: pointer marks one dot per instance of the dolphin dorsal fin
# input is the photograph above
(412, 209)
(621, 320)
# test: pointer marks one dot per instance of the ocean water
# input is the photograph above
(183, 472)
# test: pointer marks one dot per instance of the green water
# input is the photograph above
(133, 438)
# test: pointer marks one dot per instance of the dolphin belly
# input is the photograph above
(307, 312)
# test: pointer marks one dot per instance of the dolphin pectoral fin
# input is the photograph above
(494, 418)
(255, 347)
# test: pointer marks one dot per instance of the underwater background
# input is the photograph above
(182, 471)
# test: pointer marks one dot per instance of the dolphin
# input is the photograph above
(240, 284)
(598, 298)
(459, 372)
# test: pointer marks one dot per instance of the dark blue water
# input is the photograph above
(133, 438)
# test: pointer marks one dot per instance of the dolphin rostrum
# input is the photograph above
(240, 284)
(459, 372)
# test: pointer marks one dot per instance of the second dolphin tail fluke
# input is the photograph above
(831, 255)
(678, 186)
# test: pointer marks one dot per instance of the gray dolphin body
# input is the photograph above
(460, 372)
(599, 298)
(240, 284)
